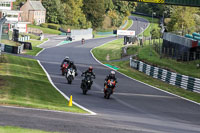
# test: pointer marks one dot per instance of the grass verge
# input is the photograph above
(45, 30)
(110, 51)
(24, 83)
(130, 22)
(10, 42)
(101, 52)
(35, 49)
(11, 129)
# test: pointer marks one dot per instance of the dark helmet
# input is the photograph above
(90, 69)
(71, 62)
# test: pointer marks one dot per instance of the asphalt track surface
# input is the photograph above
(134, 107)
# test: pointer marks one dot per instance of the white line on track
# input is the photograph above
(44, 110)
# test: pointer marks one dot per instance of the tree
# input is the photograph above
(54, 11)
(182, 19)
(74, 14)
(94, 11)
(108, 4)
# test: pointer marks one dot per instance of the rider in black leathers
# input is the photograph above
(88, 72)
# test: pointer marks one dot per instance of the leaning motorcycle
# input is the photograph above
(110, 85)
(64, 69)
(87, 83)
(70, 75)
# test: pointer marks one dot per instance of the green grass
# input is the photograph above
(110, 51)
(9, 42)
(35, 49)
(185, 68)
(130, 22)
(125, 68)
(45, 30)
(144, 54)
(11, 129)
(154, 25)
(24, 83)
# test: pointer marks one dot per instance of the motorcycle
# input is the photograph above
(83, 41)
(87, 83)
(70, 75)
(64, 69)
(110, 85)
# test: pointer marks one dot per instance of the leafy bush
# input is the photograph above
(50, 25)
(54, 26)
(44, 25)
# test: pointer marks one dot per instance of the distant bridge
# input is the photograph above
(193, 3)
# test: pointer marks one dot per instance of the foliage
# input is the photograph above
(86, 13)
(54, 26)
(155, 34)
(159, 9)
(94, 11)
(182, 19)
(54, 11)
(74, 14)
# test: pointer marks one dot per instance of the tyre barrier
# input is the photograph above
(183, 81)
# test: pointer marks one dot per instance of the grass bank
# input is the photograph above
(110, 51)
(143, 53)
(45, 30)
(24, 83)
(35, 49)
(11, 129)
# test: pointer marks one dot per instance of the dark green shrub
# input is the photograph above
(44, 25)
(54, 26)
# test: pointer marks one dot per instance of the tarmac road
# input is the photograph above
(134, 107)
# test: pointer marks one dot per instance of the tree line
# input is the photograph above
(112, 13)
(182, 19)
(85, 13)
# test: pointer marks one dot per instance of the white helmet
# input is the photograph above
(67, 57)
(113, 72)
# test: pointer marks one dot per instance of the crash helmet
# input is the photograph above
(112, 74)
(71, 62)
(90, 69)
(66, 57)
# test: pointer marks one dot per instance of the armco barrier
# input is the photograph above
(185, 82)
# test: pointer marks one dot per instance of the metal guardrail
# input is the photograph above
(183, 81)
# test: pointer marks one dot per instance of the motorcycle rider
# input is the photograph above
(65, 61)
(109, 77)
(83, 41)
(72, 65)
(88, 72)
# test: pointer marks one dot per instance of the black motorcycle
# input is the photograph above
(87, 83)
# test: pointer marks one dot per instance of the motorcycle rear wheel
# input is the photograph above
(84, 92)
